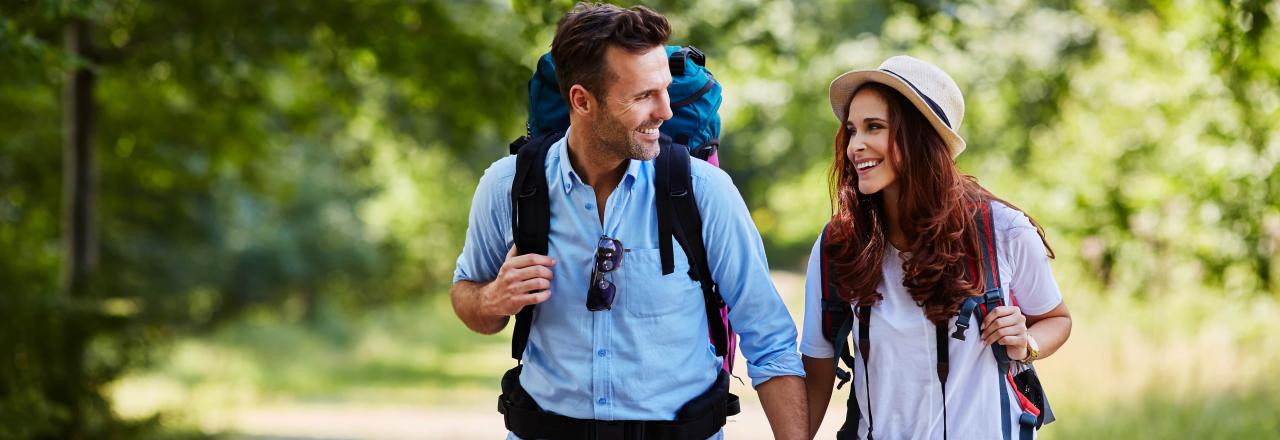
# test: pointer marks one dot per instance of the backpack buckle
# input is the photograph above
(967, 309)
(992, 298)
(676, 62)
(1027, 419)
(678, 58)
(697, 56)
(961, 327)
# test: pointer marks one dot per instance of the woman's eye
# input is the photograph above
(874, 127)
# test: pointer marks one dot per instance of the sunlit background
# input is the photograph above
(280, 190)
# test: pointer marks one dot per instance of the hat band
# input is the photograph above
(927, 100)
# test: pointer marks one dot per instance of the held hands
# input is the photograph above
(1008, 326)
(522, 280)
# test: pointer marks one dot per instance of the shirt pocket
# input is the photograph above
(645, 292)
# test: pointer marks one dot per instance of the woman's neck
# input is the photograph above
(893, 217)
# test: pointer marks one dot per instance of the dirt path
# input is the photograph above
(325, 422)
(336, 421)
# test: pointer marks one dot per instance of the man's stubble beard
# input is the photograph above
(617, 140)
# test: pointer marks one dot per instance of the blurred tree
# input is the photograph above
(288, 155)
(235, 142)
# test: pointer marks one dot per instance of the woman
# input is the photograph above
(904, 243)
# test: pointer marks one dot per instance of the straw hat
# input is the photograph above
(932, 91)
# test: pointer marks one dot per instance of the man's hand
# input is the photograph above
(522, 280)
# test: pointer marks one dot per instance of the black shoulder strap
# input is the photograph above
(836, 313)
(530, 217)
(837, 324)
(864, 350)
(679, 218)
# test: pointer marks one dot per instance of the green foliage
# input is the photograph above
(237, 145)
(295, 158)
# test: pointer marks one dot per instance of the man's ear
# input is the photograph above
(581, 100)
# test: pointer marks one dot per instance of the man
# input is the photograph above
(643, 354)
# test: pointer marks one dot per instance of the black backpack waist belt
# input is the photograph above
(698, 419)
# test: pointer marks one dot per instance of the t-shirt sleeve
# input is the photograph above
(1032, 284)
(812, 343)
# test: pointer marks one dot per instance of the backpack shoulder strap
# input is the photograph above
(992, 295)
(985, 268)
(837, 322)
(530, 218)
(988, 268)
(837, 325)
(679, 218)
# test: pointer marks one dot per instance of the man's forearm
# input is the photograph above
(784, 404)
(466, 304)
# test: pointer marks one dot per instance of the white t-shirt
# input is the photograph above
(905, 393)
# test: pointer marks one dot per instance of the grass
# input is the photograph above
(1188, 365)
(1246, 414)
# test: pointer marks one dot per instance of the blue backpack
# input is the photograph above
(695, 103)
(692, 131)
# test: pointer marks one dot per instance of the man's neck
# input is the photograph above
(597, 170)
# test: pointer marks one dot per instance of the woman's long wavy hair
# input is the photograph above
(936, 206)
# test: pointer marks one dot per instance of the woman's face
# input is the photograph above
(870, 143)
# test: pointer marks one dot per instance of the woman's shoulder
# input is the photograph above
(1007, 218)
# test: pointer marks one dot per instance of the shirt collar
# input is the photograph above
(569, 177)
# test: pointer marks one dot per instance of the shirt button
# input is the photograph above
(602, 401)
(601, 353)
(588, 206)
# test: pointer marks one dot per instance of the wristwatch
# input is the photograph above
(1033, 349)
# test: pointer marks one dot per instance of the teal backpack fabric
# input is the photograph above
(695, 103)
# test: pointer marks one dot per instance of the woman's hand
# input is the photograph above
(1008, 326)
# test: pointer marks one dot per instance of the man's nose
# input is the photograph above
(663, 111)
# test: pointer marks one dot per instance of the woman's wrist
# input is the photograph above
(1033, 349)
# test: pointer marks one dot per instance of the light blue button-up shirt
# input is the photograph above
(650, 354)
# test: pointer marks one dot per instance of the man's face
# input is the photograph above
(635, 102)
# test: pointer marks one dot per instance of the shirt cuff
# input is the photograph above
(785, 364)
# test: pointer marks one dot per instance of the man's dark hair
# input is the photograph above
(585, 32)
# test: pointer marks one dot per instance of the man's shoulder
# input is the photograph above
(708, 176)
(502, 170)
(500, 174)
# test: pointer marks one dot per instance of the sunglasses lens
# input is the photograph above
(607, 244)
(608, 255)
(602, 291)
(600, 297)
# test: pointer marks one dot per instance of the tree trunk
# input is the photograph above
(79, 237)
